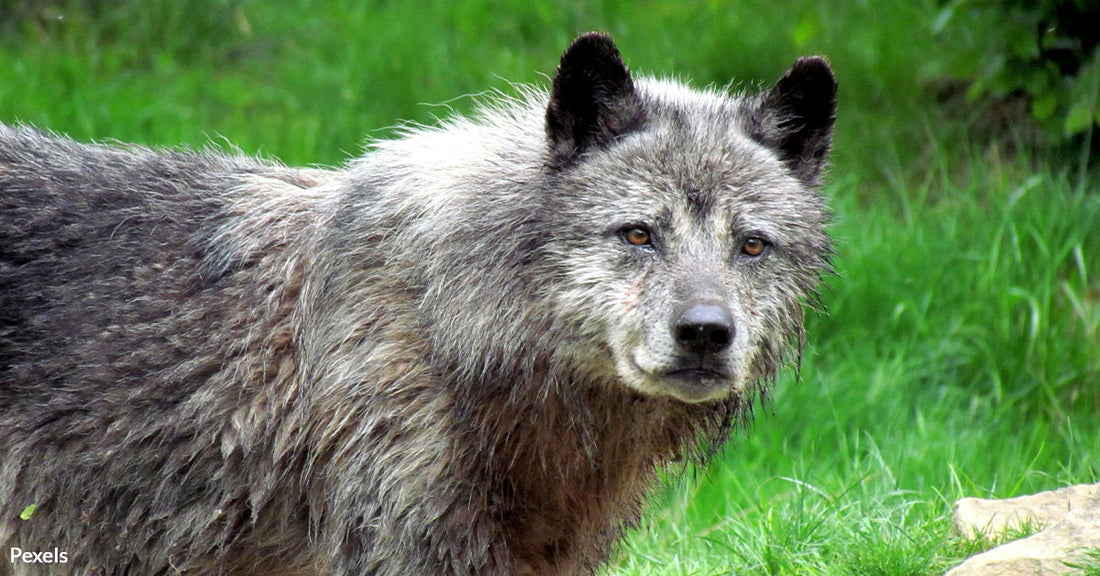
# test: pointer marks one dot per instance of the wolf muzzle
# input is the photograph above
(703, 329)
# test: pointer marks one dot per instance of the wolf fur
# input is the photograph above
(467, 352)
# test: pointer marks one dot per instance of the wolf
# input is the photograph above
(468, 351)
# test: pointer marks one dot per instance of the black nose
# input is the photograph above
(704, 328)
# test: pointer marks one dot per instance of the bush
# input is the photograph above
(1045, 51)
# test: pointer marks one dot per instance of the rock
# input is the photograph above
(1068, 519)
(991, 517)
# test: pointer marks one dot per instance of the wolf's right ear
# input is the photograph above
(592, 99)
(795, 118)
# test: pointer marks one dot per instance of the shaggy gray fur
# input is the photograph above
(467, 352)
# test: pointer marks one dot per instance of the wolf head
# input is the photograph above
(690, 228)
(613, 230)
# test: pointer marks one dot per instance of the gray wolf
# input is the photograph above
(466, 352)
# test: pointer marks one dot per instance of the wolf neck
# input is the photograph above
(568, 462)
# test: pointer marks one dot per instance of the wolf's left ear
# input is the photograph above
(592, 99)
(795, 118)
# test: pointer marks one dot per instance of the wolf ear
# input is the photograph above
(592, 99)
(795, 118)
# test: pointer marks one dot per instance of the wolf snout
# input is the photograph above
(703, 328)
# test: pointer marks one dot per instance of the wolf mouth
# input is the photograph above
(696, 384)
(696, 375)
(692, 385)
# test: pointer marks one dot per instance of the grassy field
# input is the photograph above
(960, 351)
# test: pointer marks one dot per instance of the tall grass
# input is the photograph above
(990, 284)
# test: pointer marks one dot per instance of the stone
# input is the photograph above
(1068, 520)
(992, 517)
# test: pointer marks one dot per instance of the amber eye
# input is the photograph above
(637, 236)
(753, 246)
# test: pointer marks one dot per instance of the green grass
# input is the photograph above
(1087, 563)
(959, 356)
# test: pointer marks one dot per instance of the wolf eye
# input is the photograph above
(753, 246)
(637, 236)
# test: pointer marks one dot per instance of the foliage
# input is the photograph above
(1046, 50)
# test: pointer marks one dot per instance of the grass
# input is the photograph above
(959, 354)
(1087, 563)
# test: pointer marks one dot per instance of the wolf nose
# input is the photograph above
(704, 328)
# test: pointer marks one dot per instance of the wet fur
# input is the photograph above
(214, 364)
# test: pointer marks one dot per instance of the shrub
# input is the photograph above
(1047, 51)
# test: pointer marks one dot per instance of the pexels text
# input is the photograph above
(55, 556)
